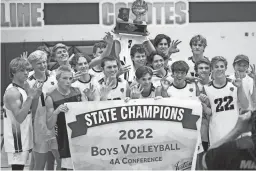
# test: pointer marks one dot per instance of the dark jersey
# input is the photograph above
(62, 135)
(230, 156)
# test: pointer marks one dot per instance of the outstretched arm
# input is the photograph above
(96, 61)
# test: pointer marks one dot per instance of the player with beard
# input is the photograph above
(180, 87)
(86, 82)
(197, 44)
(56, 110)
(112, 87)
(44, 139)
(241, 65)
(224, 96)
(232, 153)
(157, 62)
(18, 97)
(143, 87)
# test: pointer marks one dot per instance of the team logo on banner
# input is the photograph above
(141, 134)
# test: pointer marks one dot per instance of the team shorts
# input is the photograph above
(18, 158)
(46, 146)
(67, 163)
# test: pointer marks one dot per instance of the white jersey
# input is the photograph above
(191, 64)
(224, 108)
(248, 88)
(97, 74)
(190, 90)
(41, 132)
(126, 42)
(201, 86)
(84, 85)
(18, 137)
(119, 91)
(49, 84)
(156, 80)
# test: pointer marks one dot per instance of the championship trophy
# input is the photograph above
(138, 26)
(130, 32)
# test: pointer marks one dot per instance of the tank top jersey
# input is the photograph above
(225, 111)
(97, 74)
(61, 130)
(84, 85)
(41, 132)
(18, 137)
(49, 84)
(119, 91)
(190, 90)
(156, 80)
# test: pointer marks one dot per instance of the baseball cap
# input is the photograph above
(241, 58)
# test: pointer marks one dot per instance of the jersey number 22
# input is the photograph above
(227, 104)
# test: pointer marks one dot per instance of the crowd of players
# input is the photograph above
(34, 102)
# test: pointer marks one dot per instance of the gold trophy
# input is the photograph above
(139, 9)
(138, 26)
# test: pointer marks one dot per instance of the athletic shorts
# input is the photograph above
(18, 158)
(46, 146)
(67, 163)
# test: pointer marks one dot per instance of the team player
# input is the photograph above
(180, 87)
(86, 83)
(157, 62)
(224, 96)
(112, 87)
(203, 70)
(47, 51)
(18, 131)
(163, 44)
(138, 55)
(241, 65)
(197, 44)
(56, 109)
(60, 54)
(139, 58)
(143, 87)
(112, 49)
(44, 139)
(97, 51)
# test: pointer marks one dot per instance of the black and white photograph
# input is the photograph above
(128, 85)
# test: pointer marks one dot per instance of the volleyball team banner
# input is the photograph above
(140, 134)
